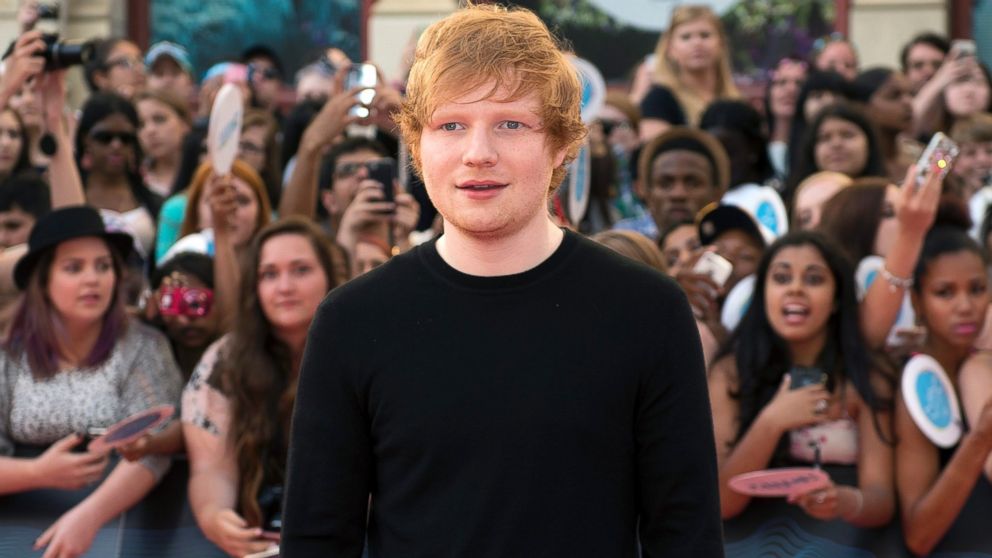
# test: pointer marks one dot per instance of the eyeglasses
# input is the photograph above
(105, 137)
(126, 63)
(346, 170)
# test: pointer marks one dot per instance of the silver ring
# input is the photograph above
(821, 407)
(821, 498)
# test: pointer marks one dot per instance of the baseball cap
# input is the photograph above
(173, 51)
(716, 219)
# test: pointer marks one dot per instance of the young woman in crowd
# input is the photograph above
(116, 67)
(821, 89)
(889, 106)
(972, 169)
(839, 139)
(109, 156)
(164, 122)
(969, 94)
(237, 405)
(781, 100)
(679, 243)
(14, 144)
(835, 53)
(804, 314)
(812, 193)
(944, 493)
(876, 217)
(73, 359)
(193, 153)
(692, 70)
(253, 208)
(259, 148)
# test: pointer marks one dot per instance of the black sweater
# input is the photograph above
(551, 413)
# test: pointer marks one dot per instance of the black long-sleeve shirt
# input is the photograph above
(551, 413)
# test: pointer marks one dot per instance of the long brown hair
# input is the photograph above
(256, 376)
(667, 73)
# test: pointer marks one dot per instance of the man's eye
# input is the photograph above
(512, 125)
(449, 126)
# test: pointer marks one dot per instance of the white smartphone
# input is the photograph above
(274, 551)
(365, 76)
(940, 153)
(963, 47)
(714, 265)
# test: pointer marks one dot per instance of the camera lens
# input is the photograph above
(60, 55)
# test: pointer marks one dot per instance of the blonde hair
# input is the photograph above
(509, 48)
(667, 73)
(198, 186)
(977, 128)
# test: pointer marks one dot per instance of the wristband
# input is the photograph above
(896, 282)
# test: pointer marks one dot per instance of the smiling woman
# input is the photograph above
(234, 494)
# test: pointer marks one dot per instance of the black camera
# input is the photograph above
(57, 54)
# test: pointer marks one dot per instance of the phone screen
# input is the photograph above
(802, 376)
(365, 76)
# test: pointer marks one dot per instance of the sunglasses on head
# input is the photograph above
(107, 136)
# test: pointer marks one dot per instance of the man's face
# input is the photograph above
(922, 62)
(487, 164)
(166, 75)
(15, 226)
(265, 81)
(681, 184)
(349, 171)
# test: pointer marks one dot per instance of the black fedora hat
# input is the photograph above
(66, 223)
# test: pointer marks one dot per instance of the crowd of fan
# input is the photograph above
(130, 270)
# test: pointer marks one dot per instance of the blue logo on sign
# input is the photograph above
(766, 216)
(870, 279)
(933, 399)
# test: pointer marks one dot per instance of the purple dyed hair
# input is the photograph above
(34, 330)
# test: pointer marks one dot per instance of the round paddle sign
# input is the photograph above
(131, 428)
(224, 130)
(931, 401)
(777, 483)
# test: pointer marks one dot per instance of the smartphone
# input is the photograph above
(366, 77)
(963, 47)
(802, 376)
(270, 553)
(714, 265)
(383, 171)
(940, 152)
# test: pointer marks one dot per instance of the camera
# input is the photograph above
(57, 54)
(185, 301)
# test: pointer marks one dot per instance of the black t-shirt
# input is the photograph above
(550, 413)
(660, 103)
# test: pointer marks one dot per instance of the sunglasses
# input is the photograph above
(106, 137)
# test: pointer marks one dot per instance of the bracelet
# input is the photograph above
(858, 507)
(896, 282)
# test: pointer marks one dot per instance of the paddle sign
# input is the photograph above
(778, 483)
(577, 183)
(224, 131)
(132, 428)
(737, 302)
(931, 400)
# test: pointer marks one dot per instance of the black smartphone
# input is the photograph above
(802, 376)
(383, 171)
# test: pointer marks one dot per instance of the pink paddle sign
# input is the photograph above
(132, 428)
(777, 483)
